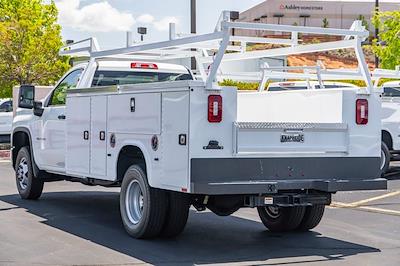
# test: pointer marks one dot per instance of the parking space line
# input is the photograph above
(384, 196)
(379, 210)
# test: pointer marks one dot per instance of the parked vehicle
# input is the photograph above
(304, 85)
(127, 119)
(390, 123)
(6, 117)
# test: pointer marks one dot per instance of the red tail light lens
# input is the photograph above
(144, 65)
(214, 108)
(361, 111)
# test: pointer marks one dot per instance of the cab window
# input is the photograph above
(109, 78)
(6, 106)
(69, 82)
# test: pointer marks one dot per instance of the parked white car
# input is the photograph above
(6, 117)
(390, 122)
(304, 85)
(170, 141)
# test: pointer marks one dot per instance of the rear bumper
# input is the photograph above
(221, 176)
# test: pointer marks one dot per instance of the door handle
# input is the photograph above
(85, 135)
(102, 135)
(61, 117)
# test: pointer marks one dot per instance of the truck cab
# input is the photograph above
(49, 130)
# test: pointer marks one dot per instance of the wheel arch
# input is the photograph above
(20, 137)
(129, 154)
(387, 139)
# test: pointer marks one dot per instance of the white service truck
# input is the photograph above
(390, 122)
(6, 117)
(170, 142)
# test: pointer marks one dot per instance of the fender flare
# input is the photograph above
(25, 130)
(146, 156)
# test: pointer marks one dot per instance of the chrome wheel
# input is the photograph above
(273, 211)
(22, 173)
(134, 202)
(383, 159)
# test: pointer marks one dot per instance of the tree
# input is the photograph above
(364, 21)
(30, 40)
(388, 47)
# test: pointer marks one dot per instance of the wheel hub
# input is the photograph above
(134, 202)
(273, 211)
(22, 173)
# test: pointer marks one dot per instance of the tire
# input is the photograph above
(177, 214)
(312, 217)
(385, 158)
(143, 209)
(281, 219)
(28, 186)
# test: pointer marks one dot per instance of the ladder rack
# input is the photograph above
(211, 49)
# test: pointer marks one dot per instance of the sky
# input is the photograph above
(108, 20)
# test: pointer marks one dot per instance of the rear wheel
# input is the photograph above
(28, 186)
(281, 219)
(143, 209)
(385, 158)
(177, 214)
(312, 217)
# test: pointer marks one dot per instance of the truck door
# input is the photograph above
(78, 136)
(98, 143)
(50, 135)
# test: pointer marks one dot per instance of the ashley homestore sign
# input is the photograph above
(299, 8)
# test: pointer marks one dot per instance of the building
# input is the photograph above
(327, 13)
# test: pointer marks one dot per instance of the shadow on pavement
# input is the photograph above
(207, 238)
(393, 173)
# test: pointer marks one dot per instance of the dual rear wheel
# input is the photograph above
(284, 219)
(149, 212)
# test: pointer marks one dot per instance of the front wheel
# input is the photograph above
(28, 186)
(281, 219)
(143, 209)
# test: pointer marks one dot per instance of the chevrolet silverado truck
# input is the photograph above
(127, 118)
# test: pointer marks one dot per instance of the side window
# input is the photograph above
(391, 92)
(6, 107)
(69, 82)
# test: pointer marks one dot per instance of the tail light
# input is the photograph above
(214, 108)
(144, 65)
(361, 111)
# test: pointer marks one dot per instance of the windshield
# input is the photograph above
(391, 91)
(109, 78)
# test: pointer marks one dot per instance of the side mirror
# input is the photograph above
(26, 96)
(37, 108)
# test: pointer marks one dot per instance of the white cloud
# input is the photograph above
(96, 17)
(161, 25)
(145, 18)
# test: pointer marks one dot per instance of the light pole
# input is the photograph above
(377, 33)
(193, 27)
(142, 31)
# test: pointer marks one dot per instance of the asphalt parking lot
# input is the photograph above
(74, 224)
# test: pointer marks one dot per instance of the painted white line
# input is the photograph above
(384, 196)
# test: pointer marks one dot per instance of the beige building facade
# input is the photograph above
(330, 13)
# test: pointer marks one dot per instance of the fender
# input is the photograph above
(36, 169)
(146, 155)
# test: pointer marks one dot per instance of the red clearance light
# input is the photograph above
(144, 65)
(214, 108)
(362, 111)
